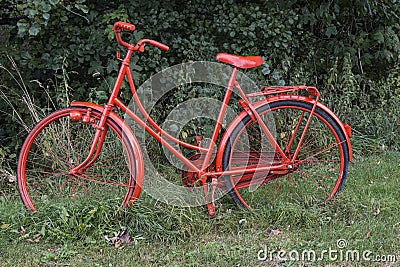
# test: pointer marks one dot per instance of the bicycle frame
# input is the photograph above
(285, 165)
(161, 135)
(205, 167)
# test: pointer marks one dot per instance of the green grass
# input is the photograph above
(365, 214)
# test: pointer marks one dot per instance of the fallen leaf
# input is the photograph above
(125, 237)
(368, 234)
(37, 238)
(5, 226)
(118, 240)
(11, 178)
(22, 231)
(118, 243)
(274, 232)
(377, 212)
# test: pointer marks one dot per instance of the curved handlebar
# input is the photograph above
(121, 26)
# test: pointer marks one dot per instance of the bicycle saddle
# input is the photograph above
(242, 62)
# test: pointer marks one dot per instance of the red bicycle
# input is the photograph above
(87, 151)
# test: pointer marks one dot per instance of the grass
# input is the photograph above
(364, 216)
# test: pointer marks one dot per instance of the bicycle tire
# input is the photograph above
(323, 158)
(57, 144)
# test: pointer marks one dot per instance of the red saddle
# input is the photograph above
(242, 62)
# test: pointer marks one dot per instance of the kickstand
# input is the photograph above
(210, 204)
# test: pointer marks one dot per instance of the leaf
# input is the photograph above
(34, 29)
(331, 30)
(118, 240)
(36, 239)
(31, 12)
(26, 55)
(21, 27)
(64, 214)
(92, 211)
(252, 35)
(378, 36)
(82, 8)
(125, 237)
(46, 7)
(274, 232)
(377, 212)
(5, 226)
(281, 82)
(22, 231)
(46, 16)
(184, 134)
(266, 70)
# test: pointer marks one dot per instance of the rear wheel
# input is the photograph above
(318, 172)
(60, 142)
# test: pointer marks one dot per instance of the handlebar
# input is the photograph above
(121, 26)
(153, 43)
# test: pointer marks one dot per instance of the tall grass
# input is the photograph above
(365, 214)
(21, 92)
(20, 111)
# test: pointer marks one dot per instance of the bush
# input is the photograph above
(346, 49)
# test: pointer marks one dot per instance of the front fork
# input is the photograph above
(98, 140)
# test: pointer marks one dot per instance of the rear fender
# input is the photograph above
(127, 134)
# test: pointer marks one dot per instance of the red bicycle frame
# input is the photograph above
(285, 165)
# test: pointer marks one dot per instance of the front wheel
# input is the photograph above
(318, 171)
(60, 142)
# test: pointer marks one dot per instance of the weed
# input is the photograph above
(364, 214)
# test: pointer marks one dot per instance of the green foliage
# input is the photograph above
(64, 49)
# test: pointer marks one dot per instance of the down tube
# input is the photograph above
(156, 135)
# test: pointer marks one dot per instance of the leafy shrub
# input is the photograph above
(64, 50)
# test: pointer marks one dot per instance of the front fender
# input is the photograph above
(344, 127)
(131, 139)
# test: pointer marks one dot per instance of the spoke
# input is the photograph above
(316, 171)
(62, 144)
(50, 151)
(87, 177)
(320, 152)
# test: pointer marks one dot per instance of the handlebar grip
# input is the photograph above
(120, 25)
(158, 45)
